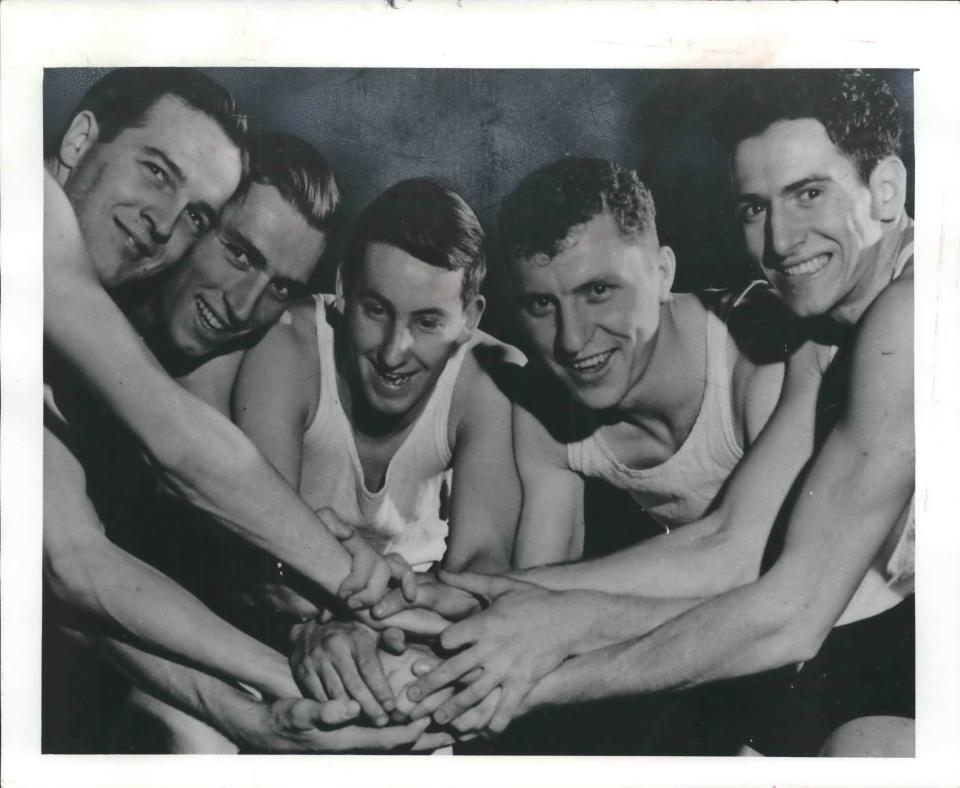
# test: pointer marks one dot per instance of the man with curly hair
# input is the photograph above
(828, 627)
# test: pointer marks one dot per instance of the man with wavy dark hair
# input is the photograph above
(821, 191)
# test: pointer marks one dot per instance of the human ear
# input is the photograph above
(888, 189)
(473, 313)
(667, 266)
(80, 136)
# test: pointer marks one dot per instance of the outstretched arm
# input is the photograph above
(95, 577)
(202, 455)
(860, 482)
(486, 490)
(288, 724)
(724, 549)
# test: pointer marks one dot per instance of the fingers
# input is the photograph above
(306, 677)
(403, 574)
(393, 602)
(375, 739)
(445, 673)
(432, 740)
(334, 712)
(373, 675)
(393, 640)
(489, 586)
(466, 699)
(478, 717)
(513, 694)
(369, 577)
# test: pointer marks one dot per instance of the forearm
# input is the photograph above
(203, 456)
(222, 706)
(130, 597)
(733, 635)
(697, 560)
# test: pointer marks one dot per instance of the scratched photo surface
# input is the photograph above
(479, 131)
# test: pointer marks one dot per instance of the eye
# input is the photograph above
(156, 172)
(809, 194)
(197, 220)
(282, 290)
(237, 257)
(372, 309)
(598, 291)
(538, 305)
(428, 323)
(750, 211)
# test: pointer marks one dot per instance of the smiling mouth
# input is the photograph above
(133, 243)
(393, 380)
(589, 364)
(208, 318)
(808, 267)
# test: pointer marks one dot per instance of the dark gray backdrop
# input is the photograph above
(482, 130)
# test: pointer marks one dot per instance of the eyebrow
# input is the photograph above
(239, 237)
(204, 207)
(790, 188)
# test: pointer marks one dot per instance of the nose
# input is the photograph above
(784, 233)
(162, 218)
(241, 299)
(572, 331)
(396, 346)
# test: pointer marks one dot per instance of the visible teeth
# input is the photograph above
(591, 363)
(208, 318)
(810, 266)
(395, 380)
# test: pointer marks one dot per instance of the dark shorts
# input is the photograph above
(863, 669)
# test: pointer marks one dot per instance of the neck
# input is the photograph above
(877, 264)
(672, 365)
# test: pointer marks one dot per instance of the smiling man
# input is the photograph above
(395, 390)
(829, 626)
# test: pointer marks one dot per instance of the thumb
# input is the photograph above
(334, 712)
(334, 524)
(489, 586)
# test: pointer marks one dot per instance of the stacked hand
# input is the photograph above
(502, 652)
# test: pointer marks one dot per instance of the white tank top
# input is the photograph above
(404, 515)
(890, 578)
(681, 489)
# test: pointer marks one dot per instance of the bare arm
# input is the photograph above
(551, 523)
(203, 456)
(858, 485)
(486, 491)
(91, 574)
(724, 549)
(289, 724)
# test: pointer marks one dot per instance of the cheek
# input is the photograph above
(539, 332)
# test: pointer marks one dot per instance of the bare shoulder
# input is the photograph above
(289, 347)
(884, 335)
(489, 379)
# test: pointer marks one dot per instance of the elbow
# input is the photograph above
(796, 633)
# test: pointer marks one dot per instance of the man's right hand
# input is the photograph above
(339, 660)
(454, 604)
(294, 725)
(371, 574)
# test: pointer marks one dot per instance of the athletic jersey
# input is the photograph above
(890, 578)
(681, 489)
(404, 515)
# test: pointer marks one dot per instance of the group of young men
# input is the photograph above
(319, 457)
